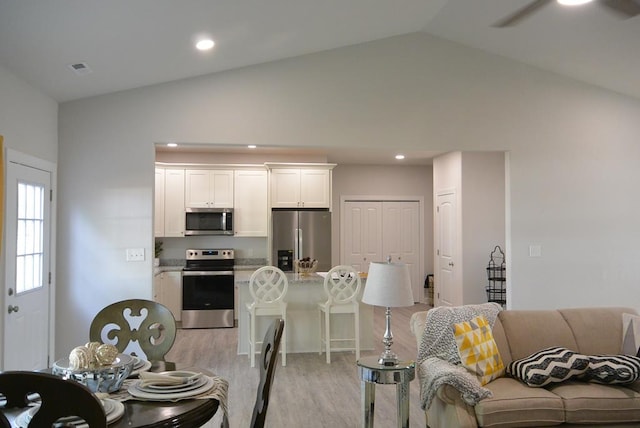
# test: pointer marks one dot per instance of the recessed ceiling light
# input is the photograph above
(573, 2)
(252, 146)
(172, 145)
(205, 44)
(399, 157)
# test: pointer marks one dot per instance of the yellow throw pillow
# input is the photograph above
(478, 350)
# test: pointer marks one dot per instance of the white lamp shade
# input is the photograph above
(388, 284)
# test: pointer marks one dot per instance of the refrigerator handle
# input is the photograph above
(299, 244)
(296, 247)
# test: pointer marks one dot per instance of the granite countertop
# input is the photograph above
(293, 278)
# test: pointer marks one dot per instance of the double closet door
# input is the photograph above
(372, 231)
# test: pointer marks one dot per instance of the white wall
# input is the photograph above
(573, 150)
(29, 124)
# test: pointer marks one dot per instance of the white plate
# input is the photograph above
(169, 389)
(140, 366)
(137, 392)
(112, 408)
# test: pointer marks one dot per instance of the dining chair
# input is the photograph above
(268, 286)
(342, 286)
(138, 327)
(268, 358)
(59, 398)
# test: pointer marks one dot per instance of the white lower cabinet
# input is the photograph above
(167, 290)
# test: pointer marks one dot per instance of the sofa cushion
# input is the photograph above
(514, 404)
(478, 350)
(630, 334)
(530, 331)
(612, 369)
(597, 331)
(549, 365)
(592, 403)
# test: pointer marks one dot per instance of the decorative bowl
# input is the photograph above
(305, 267)
(100, 379)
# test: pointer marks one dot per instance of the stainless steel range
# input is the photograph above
(207, 288)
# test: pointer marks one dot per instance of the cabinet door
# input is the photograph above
(221, 182)
(171, 285)
(158, 206)
(174, 202)
(285, 188)
(400, 239)
(197, 188)
(362, 239)
(315, 188)
(250, 208)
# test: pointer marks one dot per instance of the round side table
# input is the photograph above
(372, 373)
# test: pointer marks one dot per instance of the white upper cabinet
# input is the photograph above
(158, 207)
(250, 209)
(209, 188)
(174, 202)
(169, 203)
(302, 187)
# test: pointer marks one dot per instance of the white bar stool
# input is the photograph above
(268, 286)
(342, 285)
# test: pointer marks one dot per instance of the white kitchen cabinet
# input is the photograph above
(209, 188)
(250, 209)
(158, 206)
(169, 203)
(301, 187)
(168, 291)
(173, 202)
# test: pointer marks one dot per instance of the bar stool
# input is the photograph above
(342, 285)
(268, 285)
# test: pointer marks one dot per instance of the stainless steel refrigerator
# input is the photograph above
(301, 233)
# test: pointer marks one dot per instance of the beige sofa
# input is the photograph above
(518, 334)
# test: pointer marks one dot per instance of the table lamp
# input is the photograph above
(388, 285)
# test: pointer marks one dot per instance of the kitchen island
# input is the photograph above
(303, 320)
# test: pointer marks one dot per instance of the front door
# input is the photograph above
(27, 262)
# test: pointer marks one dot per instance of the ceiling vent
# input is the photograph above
(80, 68)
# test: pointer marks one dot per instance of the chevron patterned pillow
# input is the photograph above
(612, 369)
(550, 365)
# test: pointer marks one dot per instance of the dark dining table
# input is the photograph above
(158, 414)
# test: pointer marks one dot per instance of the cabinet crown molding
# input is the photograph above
(272, 165)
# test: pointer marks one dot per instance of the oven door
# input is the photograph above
(207, 290)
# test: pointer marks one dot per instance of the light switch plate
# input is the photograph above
(135, 254)
(535, 251)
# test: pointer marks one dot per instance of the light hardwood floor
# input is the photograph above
(308, 392)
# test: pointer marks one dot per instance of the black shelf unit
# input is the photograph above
(497, 277)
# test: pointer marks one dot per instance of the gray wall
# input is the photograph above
(572, 147)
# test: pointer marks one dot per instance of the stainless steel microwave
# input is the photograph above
(208, 221)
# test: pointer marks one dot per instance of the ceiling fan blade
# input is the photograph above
(626, 8)
(521, 14)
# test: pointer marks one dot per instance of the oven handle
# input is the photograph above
(207, 273)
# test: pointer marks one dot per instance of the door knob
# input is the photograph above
(13, 308)
(451, 264)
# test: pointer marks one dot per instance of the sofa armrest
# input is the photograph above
(416, 325)
(449, 410)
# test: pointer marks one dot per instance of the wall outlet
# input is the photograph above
(135, 254)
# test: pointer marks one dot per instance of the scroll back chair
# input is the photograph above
(138, 327)
(59, 398)
(342, 286)
(268, 358)
(268, 287)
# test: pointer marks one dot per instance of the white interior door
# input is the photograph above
(27, 262)
(401, 239)
(362, 234)
(446, 287)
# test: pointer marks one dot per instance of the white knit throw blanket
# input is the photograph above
(438, 358)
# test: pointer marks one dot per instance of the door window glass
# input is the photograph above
(30, 239)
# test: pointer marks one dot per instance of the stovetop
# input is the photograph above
(209, 259)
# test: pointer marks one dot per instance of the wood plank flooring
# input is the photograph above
(308, 392)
